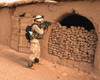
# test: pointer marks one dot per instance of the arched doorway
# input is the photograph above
(77, 20)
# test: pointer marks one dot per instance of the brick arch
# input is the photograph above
(74, 12)
(96, 61)
(77, 20)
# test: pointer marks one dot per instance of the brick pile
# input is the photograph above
(74, 43)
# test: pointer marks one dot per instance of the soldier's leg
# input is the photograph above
(37, 53)
(32, 55)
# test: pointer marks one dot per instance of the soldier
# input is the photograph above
(36, 32)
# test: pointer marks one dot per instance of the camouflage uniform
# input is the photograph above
(35, 45)
(34, 49)
(35, 32)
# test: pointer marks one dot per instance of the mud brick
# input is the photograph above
(76, 59)
(49, 47)
(85, 46)
(50, 44)
(68, 36)
(78, 27)
(89, 61)
(80, 33)
(85, 31)
(75, 54)
(54, 49)
(91, 52)
(75, 43)
(55, 53)
(76, 50)
(72, 54)
(59, 55)
(66, 32)
(82, 28)
(72, 27)
(83, 40)
(50, 52)
(57, 35)
(79, 38)
(69, 55)
(72, 58)
(64, 27)
(53, 41)
(84, 55)
(79, 57)
(54, 28)
(78, 54)
(53, 33)
(60, 26)
(85, 60)
(66, 57)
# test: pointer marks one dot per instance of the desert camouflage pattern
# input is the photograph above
(34, 49)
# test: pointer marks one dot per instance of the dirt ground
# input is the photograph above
(13, 66)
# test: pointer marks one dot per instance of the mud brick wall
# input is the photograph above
(74, 43)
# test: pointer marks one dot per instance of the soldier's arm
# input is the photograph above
(37, 29)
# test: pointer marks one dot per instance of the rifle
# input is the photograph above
(45, 25)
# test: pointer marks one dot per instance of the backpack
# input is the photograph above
(36, 35)
(28, 36)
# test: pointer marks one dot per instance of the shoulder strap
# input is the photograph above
(33, 24)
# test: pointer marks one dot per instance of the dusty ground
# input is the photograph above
(13, 66)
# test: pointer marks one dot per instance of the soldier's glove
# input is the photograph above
(30, 32)
(31, 35)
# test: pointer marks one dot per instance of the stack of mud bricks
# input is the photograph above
(74, 43)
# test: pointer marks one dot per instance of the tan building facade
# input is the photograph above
(15, 20)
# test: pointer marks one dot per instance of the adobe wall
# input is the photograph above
(5, 27)
(53, 13)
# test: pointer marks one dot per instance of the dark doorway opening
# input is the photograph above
(77, 20)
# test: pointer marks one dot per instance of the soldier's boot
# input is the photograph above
(30, 65)
(37, 61)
